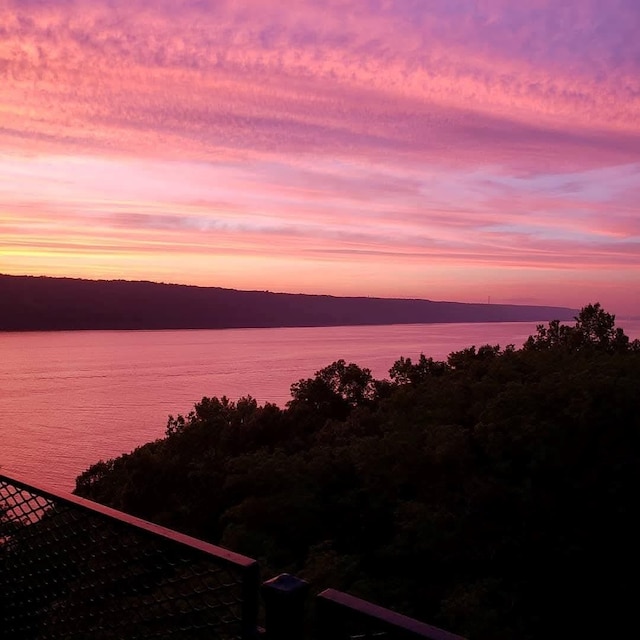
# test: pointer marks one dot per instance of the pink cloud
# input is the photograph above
(408, 135)
(256, 78)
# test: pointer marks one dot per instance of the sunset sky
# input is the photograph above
(441, 149)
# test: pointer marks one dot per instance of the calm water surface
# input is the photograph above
(69, 399)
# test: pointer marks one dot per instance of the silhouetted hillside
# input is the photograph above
(30, 303)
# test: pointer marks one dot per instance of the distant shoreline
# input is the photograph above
(39, 303)
(284, 326)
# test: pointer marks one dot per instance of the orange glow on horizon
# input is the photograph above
(449, 151)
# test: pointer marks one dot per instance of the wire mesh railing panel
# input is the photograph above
(71, 569)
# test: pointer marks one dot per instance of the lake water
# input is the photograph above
(69, 399)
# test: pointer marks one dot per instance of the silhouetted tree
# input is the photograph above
(404, 371)
(493, 494)
(594, 329)
(334, 390)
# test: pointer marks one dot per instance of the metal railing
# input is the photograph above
(74, 569)
(70, 568)
(344, 617)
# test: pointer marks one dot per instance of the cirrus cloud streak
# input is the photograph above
(331, 146)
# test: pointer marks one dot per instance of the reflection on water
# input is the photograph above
(68, 399)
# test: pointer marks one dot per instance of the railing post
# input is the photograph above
(284, 597)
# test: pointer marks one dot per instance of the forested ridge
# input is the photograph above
(29, 303)
(493, 494)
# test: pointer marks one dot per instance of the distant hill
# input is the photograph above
(29, 303)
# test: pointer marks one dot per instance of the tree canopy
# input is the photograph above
(594, 330)
(493, 494)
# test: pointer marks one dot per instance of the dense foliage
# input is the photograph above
(493, 494)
